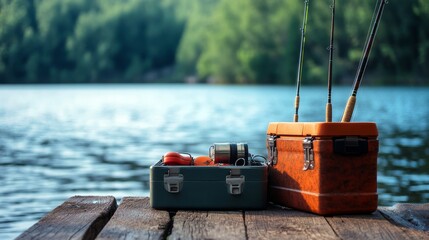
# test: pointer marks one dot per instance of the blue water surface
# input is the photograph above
(57, 141)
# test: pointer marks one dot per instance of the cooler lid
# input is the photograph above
(323, 129)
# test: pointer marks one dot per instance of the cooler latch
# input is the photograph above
(173, 180)
(308, 153)
(272, 149)
(235, 182)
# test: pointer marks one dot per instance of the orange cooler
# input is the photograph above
(323, 168)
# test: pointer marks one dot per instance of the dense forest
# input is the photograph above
(216, 41)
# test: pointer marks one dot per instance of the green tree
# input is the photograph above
(79, 41)
(196, 15)
(421, 9)
(396, 44)
(18, 39)
(56, 22)
(124, 39)
(236, 41)
(244, 42)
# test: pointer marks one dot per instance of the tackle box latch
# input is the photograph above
(173, 180)
(272, 149)
(308, 153)
(235, 182)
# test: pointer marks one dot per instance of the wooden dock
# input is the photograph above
(99, 217)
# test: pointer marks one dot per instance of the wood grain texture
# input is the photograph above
(85, 217)
(208, 225)
(135, 219)
(371, 226)
(80, 217)
(277, 223)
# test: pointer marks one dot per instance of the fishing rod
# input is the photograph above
(348, 111)
(301, 59)
(331, 53)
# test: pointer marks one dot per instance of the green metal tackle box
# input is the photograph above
(208, 187)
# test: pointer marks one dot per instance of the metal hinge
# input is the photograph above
(235, 182)
(272, 149)
(308, 153)
(173, 180)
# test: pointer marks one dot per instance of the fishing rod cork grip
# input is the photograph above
(295, 116)
(328, 112)
(348, 112)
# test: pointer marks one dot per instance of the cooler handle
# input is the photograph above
(350, 145)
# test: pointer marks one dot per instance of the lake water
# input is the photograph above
(63, 140)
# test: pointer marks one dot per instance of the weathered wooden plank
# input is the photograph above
(278, 223)
(208, 225)
(83, 217)
(80, 217)
(371, 226)
(135, 219)
(408, 215)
